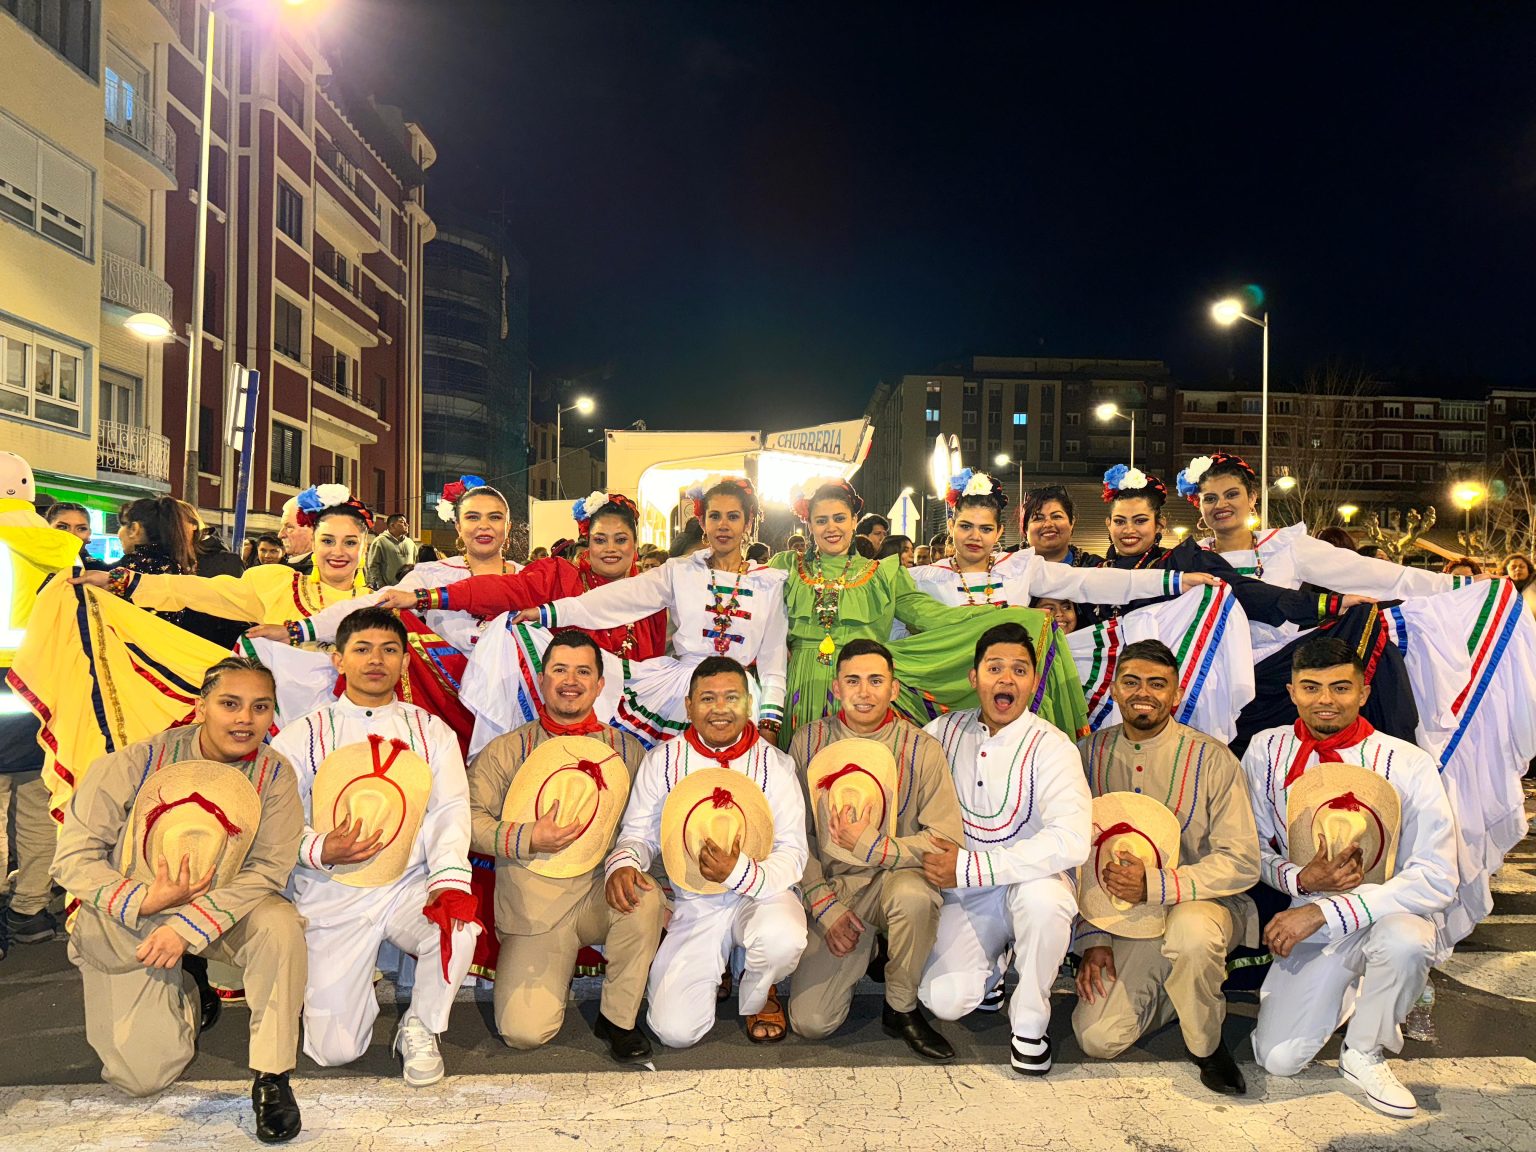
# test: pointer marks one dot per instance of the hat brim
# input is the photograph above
(200, 810)
(348, 784)
(541, 774)
(1150, 823)
(854, 771)
(692, 800)
(1361, 790)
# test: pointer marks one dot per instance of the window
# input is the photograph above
(288, 329)
(1072, 447)
(1159, 447)
(1020, 419)
(121, 234)
(1192, 404)
(287, 454)
(1391, 471)
(931, 415)
(290, 212)
(118, 397)
(207, 441)
(383, 392)
(1423, 472)
(1423, 443)
(290, 93)
(380, 491)
(1072, 419)
(43, 189)
(1423, 411)
(343, 378)
(970, 388)
(1392, 410)
(66, 26)
(1498, 407)
(1392, 441)
(968, 417)
(1251, 405)
(968, 444)
(1280, 407)
(1159, 419)
(1159, 392)
(40, 378)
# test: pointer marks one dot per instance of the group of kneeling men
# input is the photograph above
(947, 854)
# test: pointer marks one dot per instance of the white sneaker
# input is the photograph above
(1371, 1073)
(419, 1057)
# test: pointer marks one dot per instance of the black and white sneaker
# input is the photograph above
(994, 1000)
(1030, 1057)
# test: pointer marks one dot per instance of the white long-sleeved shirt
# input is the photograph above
(1024, 801)
(688, 589)
(458, 628)
(1020, 576)
(639, 842)
(1289, 558)
(441, 851)
(1425, 876)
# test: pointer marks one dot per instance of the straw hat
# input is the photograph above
(199, 809)
(712, 804)
(590, 782)
(853, 773)
(1345, 804)
(1130, 824)
(386, 785)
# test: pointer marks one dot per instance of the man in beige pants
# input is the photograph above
(849, 903)
(130, 935)
(543, 921)
(1127, 987)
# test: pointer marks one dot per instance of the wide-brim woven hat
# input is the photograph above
(386, 785)
(590, 782)
(200, 811)
(1345, 804)
(712, 804)
(854, 773)
(1127, 823)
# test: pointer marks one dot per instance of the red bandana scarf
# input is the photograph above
(890, 718)
(723, 755)
(586, 727)
(1327, 750)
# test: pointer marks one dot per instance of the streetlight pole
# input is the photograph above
(584, 405)
(1002, 460)
(189, 486)
(1107, 412)
(1226, 313)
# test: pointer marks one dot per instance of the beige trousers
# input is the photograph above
(1177, 974)
(533, 973)
(906, 907)
(36, 838)
(143, 1022)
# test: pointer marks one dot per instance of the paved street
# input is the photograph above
(1476, 1084)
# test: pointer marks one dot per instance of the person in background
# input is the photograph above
(247, 552)
(1064, 612)
(391, 552)
(157, 536)
(268, 549)
(876, 527)
(795, 543)
(688, 541)
(865, 547)
(758, 552)
(68, 516)
(1048, 518)
(427, 554)
(1517, 567)
(1338, 537)
(539, 553)
(1461, 566)
(298, 539)
(898, 546)
(653, 559)
(922, 554)
(213, 559)
(940, 547)
(1372, 552)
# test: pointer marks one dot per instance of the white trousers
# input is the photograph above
(346, 928)
(976, 926)
(697, 947)
(1377, 973)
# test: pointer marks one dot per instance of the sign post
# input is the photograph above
(241, 425)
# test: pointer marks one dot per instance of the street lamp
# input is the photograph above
(1227, 313)
(1108, 412)
(1003, 460)
(584, 406)
(149, 326)
(1468, 496)
(1348, 512)
(1285, 483)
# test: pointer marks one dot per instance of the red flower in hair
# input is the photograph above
(453, 490)
(740, 481)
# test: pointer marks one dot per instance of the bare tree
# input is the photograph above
(1321, 440)
(1512, 517)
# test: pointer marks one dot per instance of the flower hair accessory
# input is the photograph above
(1189, 478)
(970, 482)
(696, 493)
(587, 508)
(315, 499)
(1122, 480)
(802, 504)
(453, 492)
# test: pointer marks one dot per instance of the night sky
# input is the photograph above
(747, 214)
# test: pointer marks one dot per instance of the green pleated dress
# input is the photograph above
(933, 665)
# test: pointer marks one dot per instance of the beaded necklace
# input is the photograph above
(969, 591)
(724, 611)
(584, 575)
(828, 596)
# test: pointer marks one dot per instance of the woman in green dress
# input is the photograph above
(833, 595)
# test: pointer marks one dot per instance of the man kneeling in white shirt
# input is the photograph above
(1025, 807)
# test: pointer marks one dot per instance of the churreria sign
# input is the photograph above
(842, 441)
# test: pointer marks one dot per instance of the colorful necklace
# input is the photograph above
(724, 611)
(965, 587)
(585, 576)
(828, 596)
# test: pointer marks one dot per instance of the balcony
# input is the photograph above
(146, 137)
(132, 451)
(133, 287)
(332, 376)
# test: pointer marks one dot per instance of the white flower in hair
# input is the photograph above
(445, 511)
(1134, 478)
(1198, 467)
(333, 494)
(593, 502)
(979, 484)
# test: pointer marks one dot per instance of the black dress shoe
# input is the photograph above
(921, 1036)
(1219, 1072)
(209, 1004)
(277, 1112)
(626, 1045)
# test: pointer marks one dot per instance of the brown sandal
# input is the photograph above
(724, 991)
(769, 1025)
